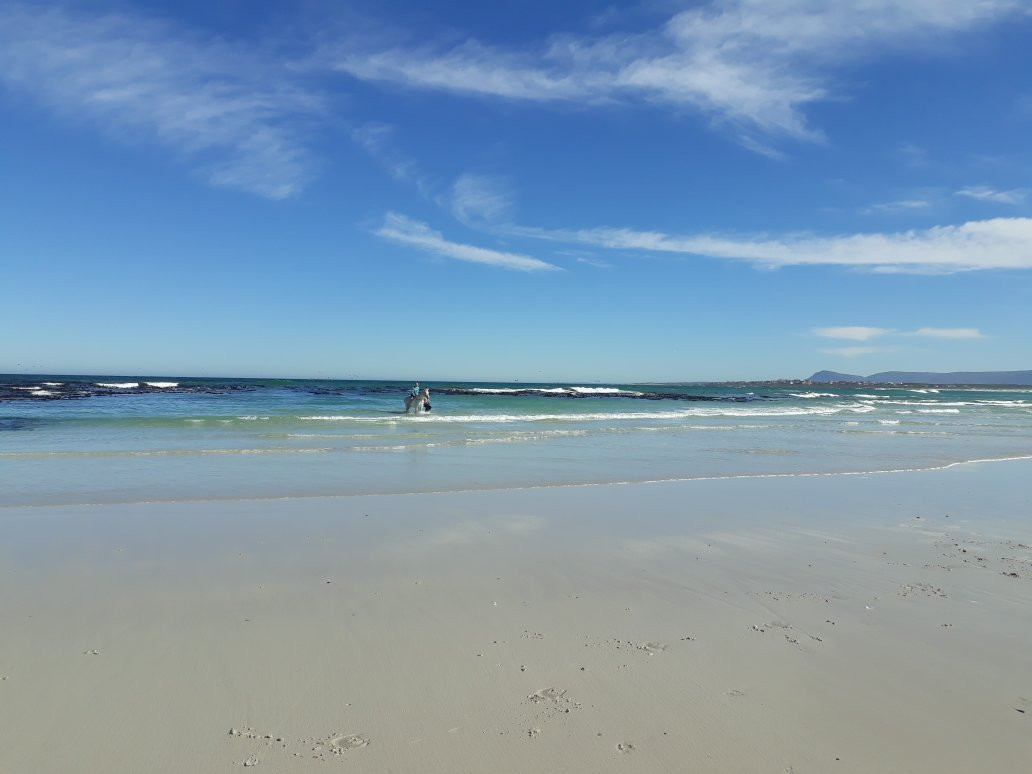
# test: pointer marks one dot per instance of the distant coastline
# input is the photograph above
(59, 386)
(922, 378)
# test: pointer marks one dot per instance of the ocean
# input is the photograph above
(107, 439)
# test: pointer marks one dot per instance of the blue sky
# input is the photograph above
(535, 191)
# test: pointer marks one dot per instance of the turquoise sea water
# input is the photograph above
(124, 439)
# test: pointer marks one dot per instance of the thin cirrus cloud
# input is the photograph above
(232, 112)
(865, 333)
(477, 198)
(898, 207)
(851, 332)
(406, 231)
(949, 333)
(998, 243)
(750, 65)
(986, 194)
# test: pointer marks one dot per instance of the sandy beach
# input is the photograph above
(851, 623)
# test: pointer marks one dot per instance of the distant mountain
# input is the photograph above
(835, 376)
(1011, 378)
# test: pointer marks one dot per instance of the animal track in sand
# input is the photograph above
(625, 747)
(783, 596)
(786, 628)
(650, 647)
(922, 589)
(1007, 556)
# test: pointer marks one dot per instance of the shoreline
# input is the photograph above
(532, 487)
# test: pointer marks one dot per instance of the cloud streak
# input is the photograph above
(402, 230)
(232, 112)
(750, 65)
(949, 333)
(865, 333)
(999, 243)
(898, 207)
(986, 194)
(851, 332)
(479, 198)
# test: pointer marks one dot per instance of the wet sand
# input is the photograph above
(809, 624)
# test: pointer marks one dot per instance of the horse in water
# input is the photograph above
(418, 402)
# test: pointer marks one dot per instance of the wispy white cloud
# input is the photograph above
(751, 65)
(866, 333)
(854, 351)
(999, 243)
(402, 230)
(593, 262)
(986, 194)
(378, 141)
(851, 332)
(897, 207)
(479, 198)
(233, 112)
(375, 139)
(949, 333)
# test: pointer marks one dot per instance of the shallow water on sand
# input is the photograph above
(124, 439)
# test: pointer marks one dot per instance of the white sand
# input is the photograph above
(768, 625)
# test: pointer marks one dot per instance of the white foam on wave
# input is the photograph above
(814, 395)
(938, 411)
(928, 389)
(603, 391)
(118, 385)
(42, 393)
(951, 403)
(888, 421)
(162, 385)
(765, 411)
(552, 390)
(52, 384)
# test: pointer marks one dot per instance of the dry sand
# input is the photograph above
(876, 623)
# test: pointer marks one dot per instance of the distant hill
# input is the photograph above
(1011, 378)
(835, 376)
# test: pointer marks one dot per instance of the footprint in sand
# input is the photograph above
(341, 743)
(625, 747)
(652, 647)
(546, 694)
